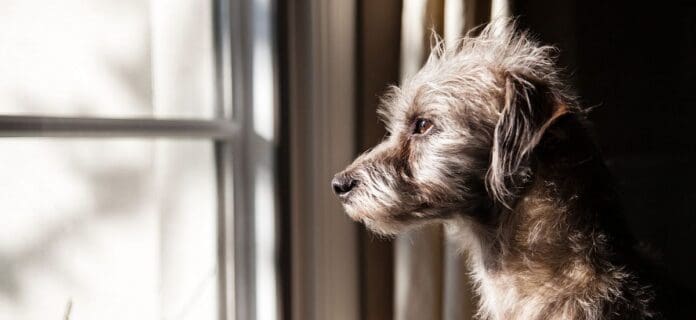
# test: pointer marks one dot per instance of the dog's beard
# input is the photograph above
(375, 215)
(388, 220)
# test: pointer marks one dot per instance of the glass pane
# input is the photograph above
(107, 229)
(106, 58)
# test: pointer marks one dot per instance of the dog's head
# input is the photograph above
(460, 133)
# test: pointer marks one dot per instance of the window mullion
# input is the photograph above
(64, 127)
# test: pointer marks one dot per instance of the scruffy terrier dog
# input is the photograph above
(486, 139)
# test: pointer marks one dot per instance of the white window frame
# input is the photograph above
(237, 149)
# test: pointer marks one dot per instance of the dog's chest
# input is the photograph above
(497, 299)
(502, 300)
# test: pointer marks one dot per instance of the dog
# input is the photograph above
(487, 140)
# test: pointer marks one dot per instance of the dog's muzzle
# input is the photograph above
(343, 184)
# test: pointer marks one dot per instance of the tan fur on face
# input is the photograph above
(510, 170)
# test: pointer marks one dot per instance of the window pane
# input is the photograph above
(106, 58)
(117, 229)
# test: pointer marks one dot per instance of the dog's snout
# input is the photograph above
(342, 184)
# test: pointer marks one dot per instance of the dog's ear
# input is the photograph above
(528, 109)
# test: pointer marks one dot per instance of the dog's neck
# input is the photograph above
(554, 253)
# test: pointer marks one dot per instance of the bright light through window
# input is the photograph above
(118, 229)
(104, 229)
(106, 58)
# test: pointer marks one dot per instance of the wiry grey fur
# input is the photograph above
(509, 169)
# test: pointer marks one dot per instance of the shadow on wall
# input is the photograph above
(635, 63)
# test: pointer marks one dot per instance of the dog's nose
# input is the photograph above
(342, 184)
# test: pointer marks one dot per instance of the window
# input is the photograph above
(124, 160)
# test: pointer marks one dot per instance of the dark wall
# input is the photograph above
(636, 63)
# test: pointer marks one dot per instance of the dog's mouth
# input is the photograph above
(353, 211)
(385, 224)
(393, 224)
(346, 198)
(382, 227)
(385, 221)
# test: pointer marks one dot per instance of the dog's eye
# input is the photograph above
(422, 126)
